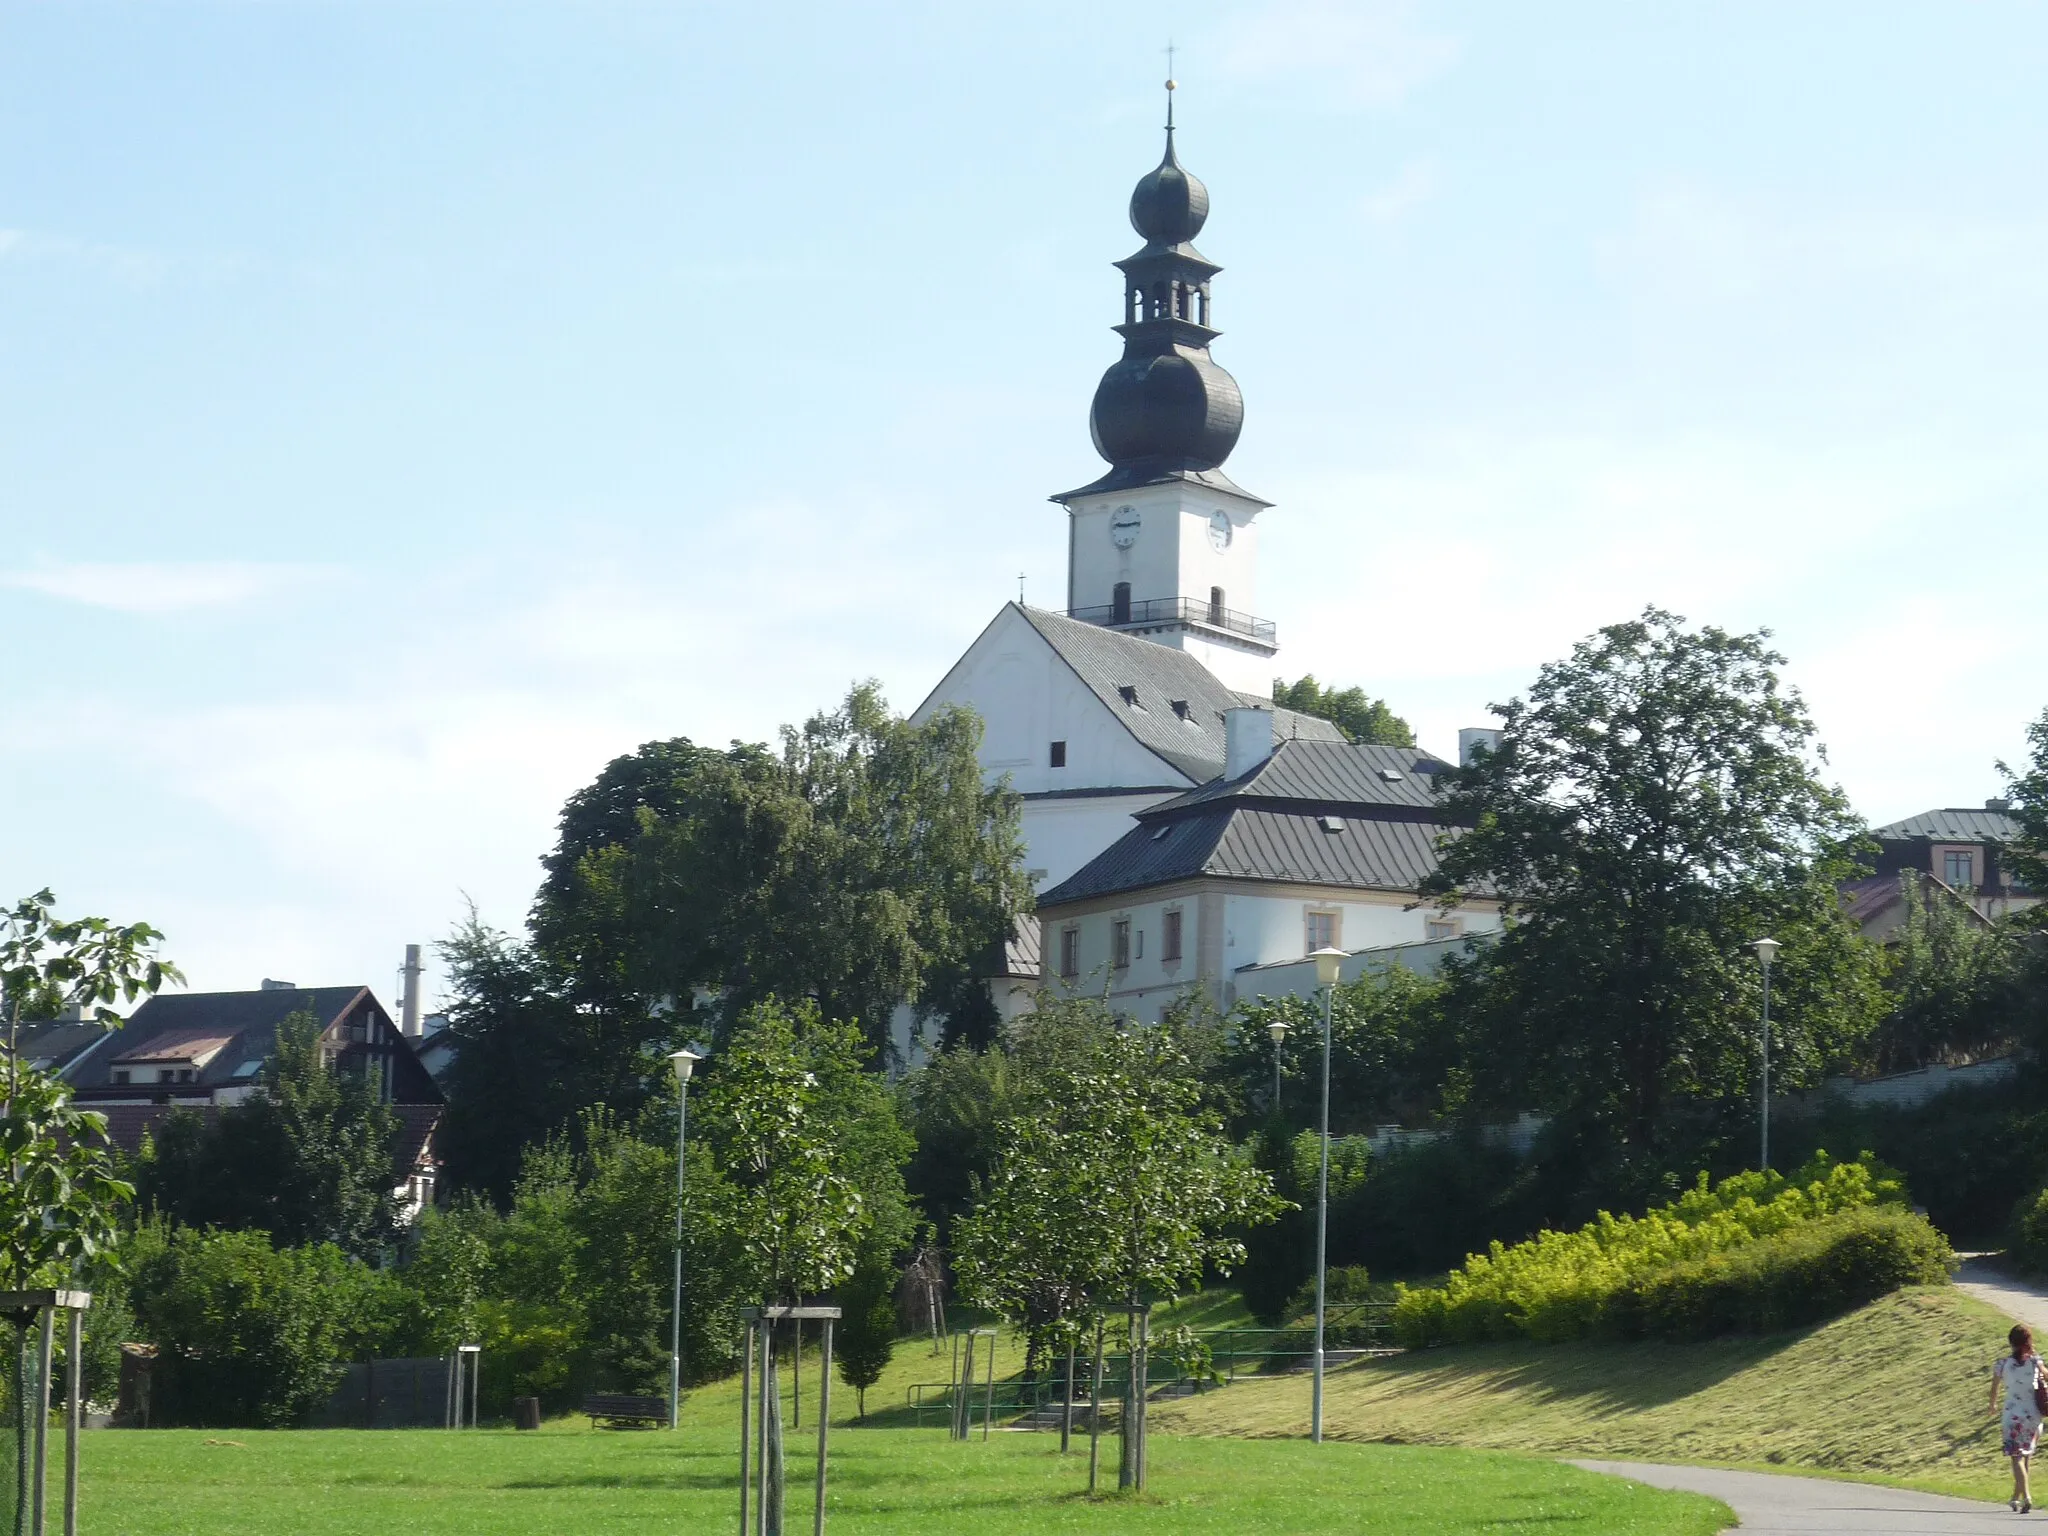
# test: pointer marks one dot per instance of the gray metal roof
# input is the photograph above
(1328, 773)
(1245, 843)
(1109, 661)
(1956, 824)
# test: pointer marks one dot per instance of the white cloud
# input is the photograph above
(1369, 53)
(156, 587)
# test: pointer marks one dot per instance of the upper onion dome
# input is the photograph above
(1169, 206)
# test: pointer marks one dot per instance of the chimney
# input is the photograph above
(409, 996)
(1998, 803)
(1247, 740)
(1476, 736)
(279, 986)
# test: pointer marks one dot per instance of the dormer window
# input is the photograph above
(1959, 868)
(1180, 707)
(1129, 694)
(1392, 775)
(1330, 823)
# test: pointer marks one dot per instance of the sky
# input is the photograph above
(405, 408)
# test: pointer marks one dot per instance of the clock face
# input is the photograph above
(1123, 527)
(1219, 530)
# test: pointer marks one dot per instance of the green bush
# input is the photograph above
(2027, 1240)
(247, 1334)
(1805, 1274)
(1557, 1285)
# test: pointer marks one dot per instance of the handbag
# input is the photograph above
(2040, 1392)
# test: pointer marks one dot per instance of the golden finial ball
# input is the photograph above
(1169, 85)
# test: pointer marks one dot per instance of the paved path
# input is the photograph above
(1768, 1505)
(1984, 1278)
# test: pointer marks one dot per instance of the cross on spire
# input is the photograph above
(1170, 50)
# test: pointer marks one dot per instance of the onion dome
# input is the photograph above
(1168, 206)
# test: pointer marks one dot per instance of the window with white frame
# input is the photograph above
(1321, 930)
(1440, 928)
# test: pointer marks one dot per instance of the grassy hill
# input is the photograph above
(1896, 1391)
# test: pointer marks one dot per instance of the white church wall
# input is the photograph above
(1062, 835)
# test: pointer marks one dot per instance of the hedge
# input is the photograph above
(1803, 1275)
(1557, 1285)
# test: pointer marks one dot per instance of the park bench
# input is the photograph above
(619, 1410)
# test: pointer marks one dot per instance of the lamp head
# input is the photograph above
(1277, 1031)
(683, 1062)
(1766, 951)
(1327, 961)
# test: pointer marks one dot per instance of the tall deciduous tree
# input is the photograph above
(1654, 806)
(2027, 790)
(1359, 716)
(864, 866)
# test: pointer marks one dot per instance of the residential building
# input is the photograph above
(1302, 844)
(1958, 849)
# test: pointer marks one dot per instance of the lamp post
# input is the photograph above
(1766, 951)
(1278, 1032)
(683, 1062)
(1327, 962)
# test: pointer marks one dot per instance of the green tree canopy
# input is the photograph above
(863, 866)
(2027, 790)
(1653, 807)
(1360, 717)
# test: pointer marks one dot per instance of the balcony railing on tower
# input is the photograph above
(1170, 610)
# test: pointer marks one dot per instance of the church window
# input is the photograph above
(1070, 952)
(1120, 603)
(1120, 944)
(1057, 758)
(1215, 605)
(1169, 938)
(1321, 931)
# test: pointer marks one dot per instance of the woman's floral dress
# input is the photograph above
(2020, 1419)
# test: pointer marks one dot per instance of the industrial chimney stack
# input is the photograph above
(409, 1000)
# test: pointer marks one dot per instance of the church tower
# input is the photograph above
(1165, 545)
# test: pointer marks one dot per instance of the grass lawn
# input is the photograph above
(569, 1479)
(1896, 1392)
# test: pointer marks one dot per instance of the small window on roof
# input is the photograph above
(1392, 775)
(248, 1069)
(1180, 707)
(1129, 694)
(1330, 823)
(1161, 833)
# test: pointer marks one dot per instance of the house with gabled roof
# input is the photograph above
(205, 1051)
(1301, 844)
(1959, 854)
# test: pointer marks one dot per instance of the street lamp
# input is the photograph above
(1766, 952)
(1278, 1032)
(683, 1062)
(1328, 960)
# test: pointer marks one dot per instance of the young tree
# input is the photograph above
(1953, 982)
(1653, 807)
(1360, 717)
(866, 1336)
(311, 1159)
(1111, 1182)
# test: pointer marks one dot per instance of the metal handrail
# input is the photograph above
(1164, 610)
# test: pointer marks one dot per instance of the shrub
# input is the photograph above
(247, 1334)
(1556, 1285)
(1805, 1274)
(2027, 1241)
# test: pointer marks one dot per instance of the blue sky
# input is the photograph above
(404, 408)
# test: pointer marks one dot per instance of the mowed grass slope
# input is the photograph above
(1897, 1390)
(440, 1483)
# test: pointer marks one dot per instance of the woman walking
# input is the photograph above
(2018, 1386)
